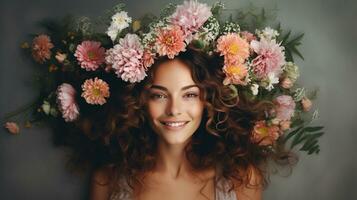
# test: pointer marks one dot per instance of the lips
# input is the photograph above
(174, 125)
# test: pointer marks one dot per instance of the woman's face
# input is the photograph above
(174, 106)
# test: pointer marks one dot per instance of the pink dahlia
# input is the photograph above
(66, 100)
(126, 58)
(41, 48)
(234, 48)
(284, 107)
(90, 55)
(263, 134)
(95, 91)
(235, 74)
(190, 16)
(270, 59)
(170, 41)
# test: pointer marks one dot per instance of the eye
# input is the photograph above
(156, 96)
(191, 95)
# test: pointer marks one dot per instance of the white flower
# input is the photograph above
(268, 33)
(46, 107)
(254, 88)
(112, 33)
(119, 22)
(272, 79)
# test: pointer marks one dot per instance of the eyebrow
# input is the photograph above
(165, 89)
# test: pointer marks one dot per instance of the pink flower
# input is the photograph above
(90, 55)
(286, 83)
(190, 16)
(306, 104)
(12, 127)
(264, 135)
(148, 59)
(285, 107)
(66, 100)
(170, 41)
(270, 57)
(235, 74)
(41, 48)
(248, 36)
(126, 58)
(95, 91)
(234, 48)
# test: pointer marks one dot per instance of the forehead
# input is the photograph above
(173, 74)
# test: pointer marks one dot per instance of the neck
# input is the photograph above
(172, 160)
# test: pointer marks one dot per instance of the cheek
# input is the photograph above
(154, 110)
(196, 110)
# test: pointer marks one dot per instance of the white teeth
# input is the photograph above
(174, 124)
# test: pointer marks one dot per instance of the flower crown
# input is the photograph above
(258, 65)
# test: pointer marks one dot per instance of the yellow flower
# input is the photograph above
(25, 45)
(136, 25)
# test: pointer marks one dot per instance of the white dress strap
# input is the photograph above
(222, 190)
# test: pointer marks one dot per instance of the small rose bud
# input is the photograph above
(306, 104)
(12, 127)
(60, 57)
(285, 125)
(286, 83)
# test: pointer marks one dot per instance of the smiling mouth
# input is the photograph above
(174, 125)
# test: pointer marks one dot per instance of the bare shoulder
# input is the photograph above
(101, 183)
(253, 189)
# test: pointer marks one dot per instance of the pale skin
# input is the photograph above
(175, 111)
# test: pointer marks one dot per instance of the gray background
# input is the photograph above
(32, 168)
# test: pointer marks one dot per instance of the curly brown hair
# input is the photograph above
(222, 139)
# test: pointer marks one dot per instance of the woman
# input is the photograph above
(182, 136)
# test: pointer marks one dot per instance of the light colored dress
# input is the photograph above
(221, 192)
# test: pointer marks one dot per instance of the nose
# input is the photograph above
(173, 107)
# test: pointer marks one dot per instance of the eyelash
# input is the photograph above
(160, 96)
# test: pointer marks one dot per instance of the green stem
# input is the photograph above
(19, 110)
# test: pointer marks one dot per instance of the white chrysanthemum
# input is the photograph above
(268, 33)
(271, 79)
(119, 22)
(254, 88)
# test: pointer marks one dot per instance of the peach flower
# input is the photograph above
(95, 91)
(235, 74)
(234, 48)
(148, 59)
(285, 125)
(264, 135)
(12, 127)
(286, 83)
(41, 48)
(170, 41)
(306, 104)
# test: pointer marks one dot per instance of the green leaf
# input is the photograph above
(313, 128)
(292, 133)
(308, 145)
(297, 139)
